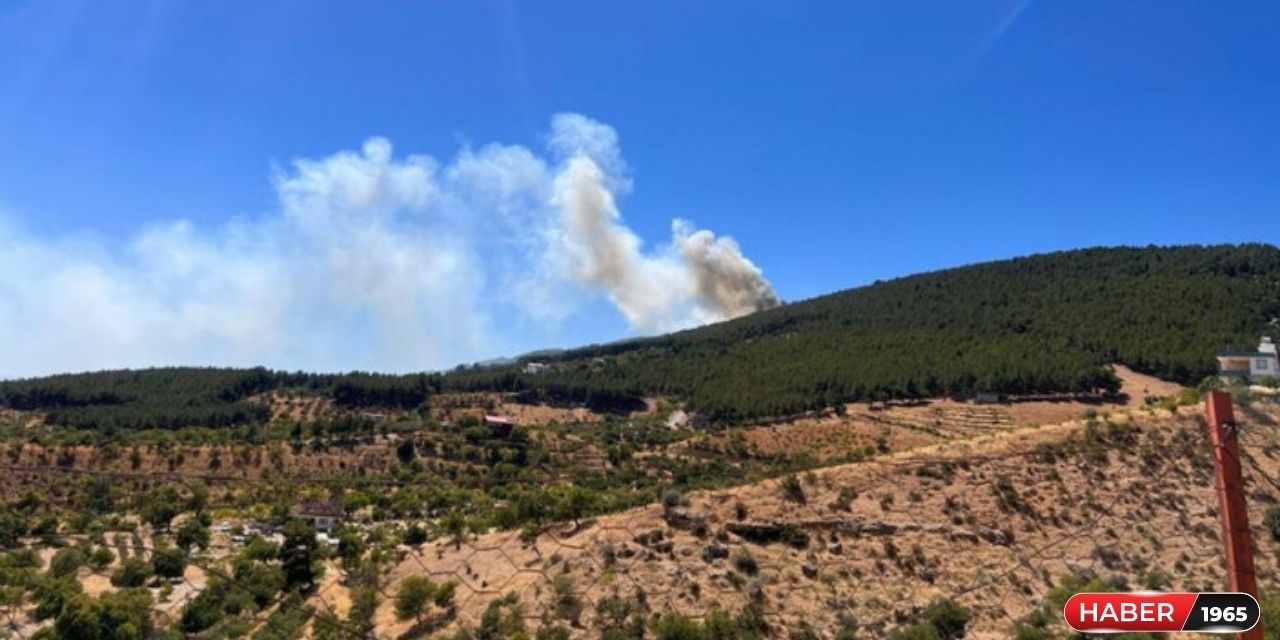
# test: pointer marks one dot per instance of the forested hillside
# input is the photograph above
(1045, 323)
(169, 398)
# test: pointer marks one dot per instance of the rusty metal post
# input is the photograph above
(1231, 499)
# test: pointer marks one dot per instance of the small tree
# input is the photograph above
(161, 506)
(124, 615)
(12, 528)
(193, 532)
(202, 612)
(67, 561)
(455, 524)
(101, 557)
(415, 592)
(298, 555)
(169, 562)
(405, 450)
(576, 503)
(445, 594)
(792, 489)
(133, 572)
(350, 549)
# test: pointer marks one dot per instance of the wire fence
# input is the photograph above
(993, 523)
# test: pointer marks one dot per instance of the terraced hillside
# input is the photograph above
(1000, 524)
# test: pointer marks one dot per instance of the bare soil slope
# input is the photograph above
(992, 522)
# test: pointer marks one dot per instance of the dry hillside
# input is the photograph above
(993, 522)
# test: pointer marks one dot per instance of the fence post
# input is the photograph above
(1231, 499)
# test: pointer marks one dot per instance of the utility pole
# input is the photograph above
(1231, 501)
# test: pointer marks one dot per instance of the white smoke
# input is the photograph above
(373, 262)
(728, 285)
(700, 279)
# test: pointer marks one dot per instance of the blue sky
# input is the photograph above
(837, 143)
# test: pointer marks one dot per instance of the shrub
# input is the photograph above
(844, 502)
(503, 618)
(746, 563)
(943, 620)
(445, 594)
(1272, 521)
(792, 489)
(101, 557)
(949, 618)
(66, 562)
(415, 535)
(567, 605)
(12, 527)
(133, 572)
(674, 626)
(672, 498)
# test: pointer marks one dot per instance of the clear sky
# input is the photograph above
(178, 177)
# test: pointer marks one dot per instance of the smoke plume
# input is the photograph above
(726, 282)
(700, 278)
(372, 261)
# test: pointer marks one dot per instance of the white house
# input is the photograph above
(322, 515)
(1253, 365)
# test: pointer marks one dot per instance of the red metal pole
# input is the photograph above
(1231, 500)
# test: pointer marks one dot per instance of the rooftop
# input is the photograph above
(321, 508)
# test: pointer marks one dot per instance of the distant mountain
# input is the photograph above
(1039, 324)
(1043, 323)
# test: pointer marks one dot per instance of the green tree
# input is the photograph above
(415, 535)
(67, 561)
(193, 533)
(198, 501)
(133, 572)
(445, 593)
(122, 615)
(455, 524)
(297, 556)
(412, 598)
(95, 496)
(161, 506)
(203, 611)
(260, 549)
(263, 582)
(405, 450)
(50, 594)
(101, 557)
(577, 502)
(169, 562)
(12, 528)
